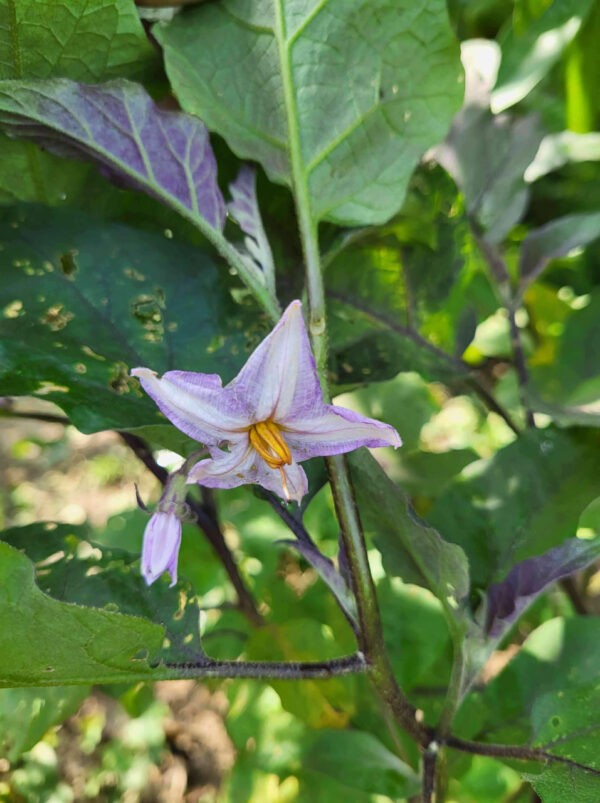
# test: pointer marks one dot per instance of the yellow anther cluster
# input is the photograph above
(267, 440)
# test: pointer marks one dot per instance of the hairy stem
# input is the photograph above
(205, 515)
(270, 670)
(430, 757)
(520, 753)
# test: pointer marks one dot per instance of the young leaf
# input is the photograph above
(244, 209)
(84, 302)
(166, 154)
(507, 600)
(487, 157)
(282, 92)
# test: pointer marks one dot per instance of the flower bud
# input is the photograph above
(160, 549)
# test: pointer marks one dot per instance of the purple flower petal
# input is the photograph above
(280, 376)
(195, 403)
(336, 430)
(160, 550)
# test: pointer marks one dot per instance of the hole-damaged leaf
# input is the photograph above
(163, 153)
(83, 302)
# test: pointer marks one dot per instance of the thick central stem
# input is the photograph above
(371, 634)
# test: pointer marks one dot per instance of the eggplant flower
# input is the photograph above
(267, 420)
(160, 550)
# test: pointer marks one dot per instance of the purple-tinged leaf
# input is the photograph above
(117, 125)
(243, 208)
(507, 600)
(555, 240)
(328, 573)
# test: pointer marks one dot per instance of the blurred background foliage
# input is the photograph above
(420, 338)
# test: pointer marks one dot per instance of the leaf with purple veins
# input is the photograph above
(117, 125)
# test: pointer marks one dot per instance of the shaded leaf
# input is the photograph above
(84, 302)
(45, 642)
(408, 297)
(555, 240)
(166, 154)
(27, 714)
(487, 157)
(568, 389)
(528, 55)
(507, 600)
(521, 502)
(373, 767)
(286, 69)
(410, 548)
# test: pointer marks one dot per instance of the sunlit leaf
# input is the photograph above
(45, 642)
(529, 54)
(284, 91)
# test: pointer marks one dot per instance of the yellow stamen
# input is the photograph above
(268, 441)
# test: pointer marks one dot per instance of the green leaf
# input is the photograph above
(569, 388)
(90, 41)
(528, 55)
(521, 502)
(71, 567)
(373, 767)
(265, 76)
(410, 548)
(84, 302)
(554, 240)
(408, 297)
(561, 655)
(45, 642)
(27, 714)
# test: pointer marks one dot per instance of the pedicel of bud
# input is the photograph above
(162, 536)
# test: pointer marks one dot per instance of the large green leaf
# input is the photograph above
(84, 302)
(86, 41)
(45, 642)
(71, 568)
(521, 502)
(340, 98)
(561, 655)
